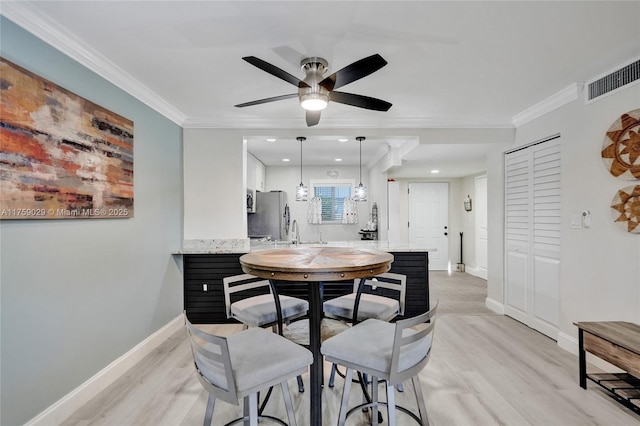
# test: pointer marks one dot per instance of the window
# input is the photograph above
(332, 192)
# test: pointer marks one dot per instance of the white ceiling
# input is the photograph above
(451, 64)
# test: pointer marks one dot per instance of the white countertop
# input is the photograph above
(258, 245)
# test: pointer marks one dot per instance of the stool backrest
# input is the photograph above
(390, 281)
(239, 283)
(213, 363)
(412, 344)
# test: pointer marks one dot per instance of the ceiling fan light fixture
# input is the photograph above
(314, 101)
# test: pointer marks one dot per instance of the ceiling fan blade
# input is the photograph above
(360, 101)
(353, 72)
(313, 118)
(265, 100)
(275, 71)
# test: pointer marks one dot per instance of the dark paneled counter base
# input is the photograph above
(204, 298)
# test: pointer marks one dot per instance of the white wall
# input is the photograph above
(495, 224)
(599, 277)
(214, 184)
(467, 223)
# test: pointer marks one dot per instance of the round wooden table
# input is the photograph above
(313, 266)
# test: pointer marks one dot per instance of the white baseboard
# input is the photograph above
(477, 272)
(71, 402)
(471, 271)
(494, 305)
(568, 343)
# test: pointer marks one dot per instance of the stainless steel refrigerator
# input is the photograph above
(271, 218)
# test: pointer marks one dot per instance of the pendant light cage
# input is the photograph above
(302, 192)
(361, 190)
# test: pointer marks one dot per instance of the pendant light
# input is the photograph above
(361, 190)
(302, 192)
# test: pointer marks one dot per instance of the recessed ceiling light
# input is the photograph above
(285, 160)
(435, 171)
(343, 140)
(338, 159)
(271, 139)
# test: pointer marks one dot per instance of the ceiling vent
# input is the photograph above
(621, 77)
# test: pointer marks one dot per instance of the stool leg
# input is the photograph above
(208, 415)
(422, 409)
(332, 376)
(344, 405)
(251, 410)
(300, 384)
(391, 404)
(374, 399)
(287, 403)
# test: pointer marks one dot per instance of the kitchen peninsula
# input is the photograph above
(206, 264)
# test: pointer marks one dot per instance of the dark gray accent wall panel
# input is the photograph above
(207, 307)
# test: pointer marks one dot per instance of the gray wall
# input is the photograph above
(77, 294)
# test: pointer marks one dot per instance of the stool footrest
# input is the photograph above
(373, 404)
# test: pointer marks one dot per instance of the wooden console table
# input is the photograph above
(618, 343)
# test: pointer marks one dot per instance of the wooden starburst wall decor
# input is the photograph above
(626, 208)
(621, 155)
(621, 147)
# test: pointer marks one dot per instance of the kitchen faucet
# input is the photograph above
(294, 225)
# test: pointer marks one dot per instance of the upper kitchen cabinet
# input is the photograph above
(255, 173)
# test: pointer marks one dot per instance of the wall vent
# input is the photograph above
(614, 80)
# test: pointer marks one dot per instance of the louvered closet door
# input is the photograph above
(517, 234)
(532, 263)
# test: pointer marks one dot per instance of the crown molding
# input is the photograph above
(337, 123)
(553, 102)
(40, 25)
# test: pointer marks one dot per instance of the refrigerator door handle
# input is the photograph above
(287, 219)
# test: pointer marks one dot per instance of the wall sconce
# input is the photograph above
(467, 203)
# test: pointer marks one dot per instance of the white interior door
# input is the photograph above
(481, 227)
(429, 221)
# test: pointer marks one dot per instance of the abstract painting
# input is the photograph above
(61, 156)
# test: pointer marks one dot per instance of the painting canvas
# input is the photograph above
(61, 156)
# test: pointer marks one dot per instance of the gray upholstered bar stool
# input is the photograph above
(393, 352)
(260, 310)
(230, 368)
(371, 305)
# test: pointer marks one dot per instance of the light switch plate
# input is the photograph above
(575, 221)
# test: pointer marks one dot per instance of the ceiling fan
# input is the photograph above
(315, 92)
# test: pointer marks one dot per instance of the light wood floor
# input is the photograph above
(485, 369)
